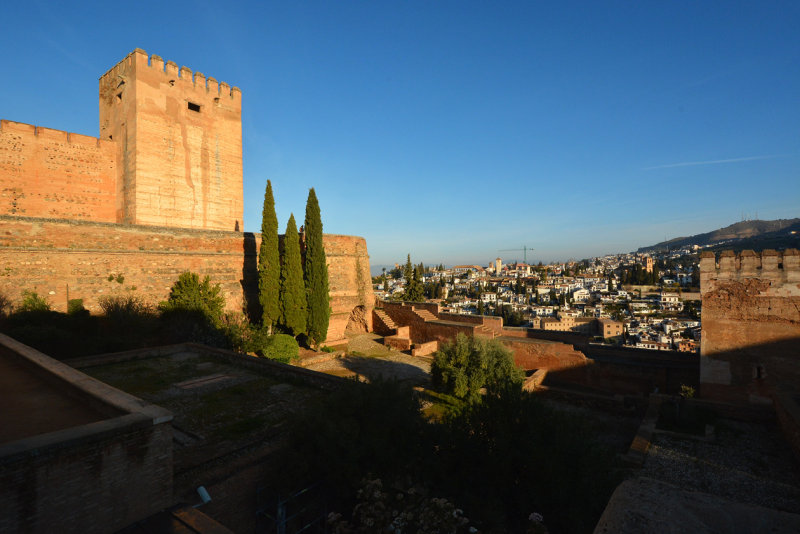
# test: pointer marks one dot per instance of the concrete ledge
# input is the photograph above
(100, 395)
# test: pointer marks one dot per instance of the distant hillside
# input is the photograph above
(756, 235)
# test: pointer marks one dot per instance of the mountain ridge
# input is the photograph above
(756, 234)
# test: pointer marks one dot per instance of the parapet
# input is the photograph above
(780, 267)
(9, 127)
(182, 75)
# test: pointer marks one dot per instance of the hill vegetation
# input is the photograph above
(755, 235)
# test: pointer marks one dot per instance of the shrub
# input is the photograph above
(75, 306)
(188, 293)
(32, 302)
(123, 306)
(243, 335)
(282, 348)
(468, 364)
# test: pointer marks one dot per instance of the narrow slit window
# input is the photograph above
(194, 107)
(119, 97)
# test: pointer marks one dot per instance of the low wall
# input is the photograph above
(64, 260)
(534, 354)
(95, 477)
(489, 321)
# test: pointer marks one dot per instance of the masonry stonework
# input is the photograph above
(159, 193)
(64, 260)
(50, 173)
(750, 345)
(179, 144)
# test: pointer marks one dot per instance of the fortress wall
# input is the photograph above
(179, 137)
(64, 260)
(50, 173)
(750, 345)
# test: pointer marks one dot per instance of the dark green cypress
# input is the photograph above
(316, 273)
(293, 290)
(269, 263)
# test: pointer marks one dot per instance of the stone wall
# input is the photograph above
(93, 478)
(50, 173)
(64, 260)
(751, 324)
(179, 142)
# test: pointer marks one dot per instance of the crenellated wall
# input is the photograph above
(159, 193)
(750, 347)
(179, 144)
(50, 173)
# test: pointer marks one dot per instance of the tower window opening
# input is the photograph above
(119, 97)
(194, 107)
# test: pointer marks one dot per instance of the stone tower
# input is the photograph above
(179, 144)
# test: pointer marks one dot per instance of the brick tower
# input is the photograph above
(179, 144)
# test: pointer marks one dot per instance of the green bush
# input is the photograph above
(282, 348)
(499, 460)
(468, 364)
(75, 306)
(188, 293)
(32, 302)
(123, 306)
(243, 335)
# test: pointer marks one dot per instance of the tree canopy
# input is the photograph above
(269, 263)
(188, 293)
(293, 303)
(316, 273)
(467, 364)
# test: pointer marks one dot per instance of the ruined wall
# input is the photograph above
(179, 142)
(350, 285)
(535, 354)
(50, 173)
(64, 260)
(750, 345)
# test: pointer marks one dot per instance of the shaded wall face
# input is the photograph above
(179, 141)
(750, 345)
(55, 174)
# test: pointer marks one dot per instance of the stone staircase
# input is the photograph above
(388, 324)
(425, 315)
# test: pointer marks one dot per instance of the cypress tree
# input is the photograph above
(269, 263)
(293, 291)
(316, 273)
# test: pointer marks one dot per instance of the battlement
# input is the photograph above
(12, 127)
(770, 265)
(172, 73)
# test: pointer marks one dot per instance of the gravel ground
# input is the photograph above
(747, 462)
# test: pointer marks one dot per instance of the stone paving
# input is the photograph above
(746, 462)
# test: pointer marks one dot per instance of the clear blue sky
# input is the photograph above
(451, 130)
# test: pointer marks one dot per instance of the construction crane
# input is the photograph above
(524, 250)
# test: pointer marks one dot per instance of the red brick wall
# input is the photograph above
(98, 486)
(50, 173)
(71, 259)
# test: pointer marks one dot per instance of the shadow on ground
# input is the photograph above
(373, 368)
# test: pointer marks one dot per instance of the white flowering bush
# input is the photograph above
(398, 511)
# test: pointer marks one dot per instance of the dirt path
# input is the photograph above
(368, 358)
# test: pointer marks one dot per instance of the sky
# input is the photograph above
(456, 130)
